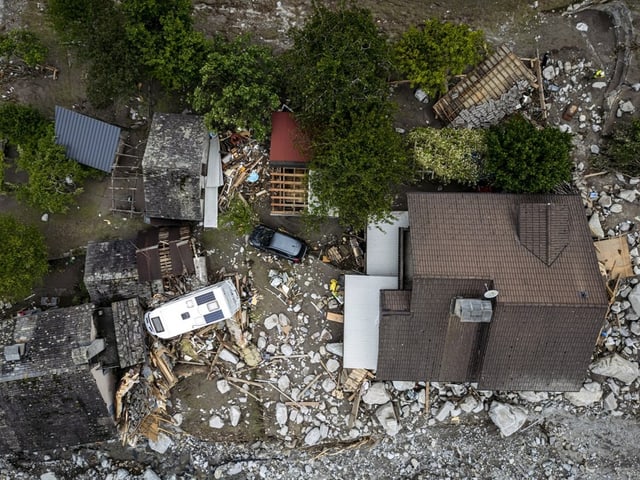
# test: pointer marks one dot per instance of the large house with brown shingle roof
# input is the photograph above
(502, 290)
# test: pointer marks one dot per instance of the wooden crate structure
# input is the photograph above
(488, 82)
(288, 190)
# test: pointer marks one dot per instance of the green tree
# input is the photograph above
(429, 56)
(452, 154)
(21, 124)
(238, 87)
(162, 32)
(623, 147)
(54, 180)
(339, 64)
(23, 258)
(239, 216)
(523, 159)
(354, 171)
(24, 45)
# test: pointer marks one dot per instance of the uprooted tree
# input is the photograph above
(450, 154)
(522, 158)
(430, 55)
(336, 78)
(23, 258)
(623, 147)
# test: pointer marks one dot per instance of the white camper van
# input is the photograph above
(194, 310)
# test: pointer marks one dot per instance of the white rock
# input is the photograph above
(627, 107)
(281, 413)
(333, 365)
(508, 418)
(634, 298)
(45, 217)
(589, 394)
(262, 343)
(312, 437)
(283, 320)
(445, 411)
(468, 404)
(533, 397)
(150, 475)
(599, 85)
(376, 395)
(615, 208)
(227, 356)
(335, 348)
(48, 476)
(234, 415)
(582, 27)
(628, 195)
(549, 72)
(216, 422)
(223, 386)
(617, 367)
(271, 322)
(328, 385)
(162, 444)
(386, 415)
(403, 386)
(286, 349)
(283, 383)
(610, 401)
(595, 149)
(595, 226)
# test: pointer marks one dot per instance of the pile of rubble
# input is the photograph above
(244, 165)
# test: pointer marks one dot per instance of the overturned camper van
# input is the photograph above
(197, 309)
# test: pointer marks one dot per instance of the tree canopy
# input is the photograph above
(336, 77)
(23, 258)
(238, 87)
(430, 55)
(524, 159)
(54, 180)
(24, 45)
(339, 64)
(354, 171)
(451, 154)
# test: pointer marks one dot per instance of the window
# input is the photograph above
(472, 310)
(185, 315)
(157, 324)
(213, 306)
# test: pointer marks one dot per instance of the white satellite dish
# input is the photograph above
(491, 294)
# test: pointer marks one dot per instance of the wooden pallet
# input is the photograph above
(288, 190)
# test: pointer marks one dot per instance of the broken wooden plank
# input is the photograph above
(335, 317)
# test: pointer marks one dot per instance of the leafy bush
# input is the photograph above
(239, 216)
(451, 154)
(21, 124)
(54, 180)
(523, 159)
(429, 56)
(24, 45)
(23, 258)
(623, 148)
(238, 87)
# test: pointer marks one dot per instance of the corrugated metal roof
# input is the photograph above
(289, 145)
(89, 141)
(361, 313)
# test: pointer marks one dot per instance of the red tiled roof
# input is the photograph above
(289, 145)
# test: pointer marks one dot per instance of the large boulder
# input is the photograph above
(617, 367)
(508, 418)
(634, 299)
(590, 393)
(386, 415)
(376, 395)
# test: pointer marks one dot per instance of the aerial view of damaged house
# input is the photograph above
(502, 290)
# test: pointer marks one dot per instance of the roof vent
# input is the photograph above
(473, 310)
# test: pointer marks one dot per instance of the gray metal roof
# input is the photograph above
(88, 141)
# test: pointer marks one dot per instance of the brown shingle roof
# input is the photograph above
(536, 250)
(475, 235)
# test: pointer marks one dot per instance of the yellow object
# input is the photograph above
(598, 74)
(333, 286)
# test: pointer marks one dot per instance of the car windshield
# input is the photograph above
(264, 236)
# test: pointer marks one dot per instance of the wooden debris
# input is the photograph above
(356, 378)
(335, 317)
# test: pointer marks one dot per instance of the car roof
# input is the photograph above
(285, 243)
